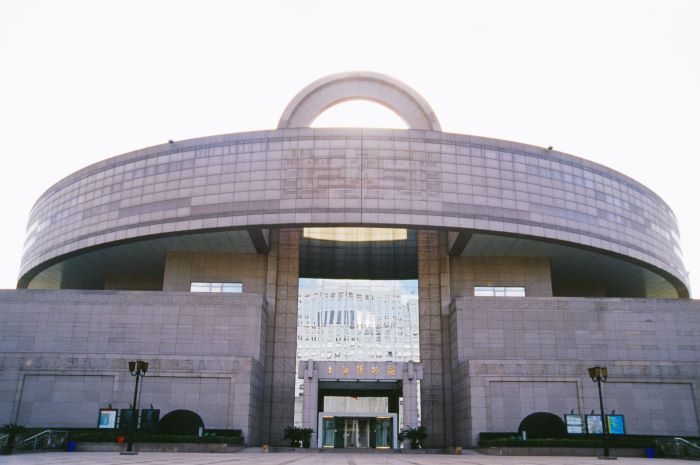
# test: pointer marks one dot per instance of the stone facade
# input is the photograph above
(280, 362)
(436, 396)
(514, 356)
(352, 176)
(64, 355)
(183, 268)
(112, 249)
(531, 273)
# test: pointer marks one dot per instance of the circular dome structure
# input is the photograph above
(494, 198)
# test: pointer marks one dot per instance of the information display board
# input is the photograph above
(126, 416)
(574, 424)
(594, 424)
(107, 418)
(149, 420)
(616, 424)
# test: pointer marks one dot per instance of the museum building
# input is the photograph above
(374, 278)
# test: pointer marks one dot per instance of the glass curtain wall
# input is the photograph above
(343, 319)
(356, 319)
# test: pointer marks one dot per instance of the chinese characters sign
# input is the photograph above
(361, 370)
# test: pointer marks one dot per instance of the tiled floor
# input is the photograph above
(156, 458)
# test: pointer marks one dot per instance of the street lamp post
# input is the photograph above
(598, 375)
(137, 369)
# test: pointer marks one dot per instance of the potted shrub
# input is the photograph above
(306, 437)
(12, 430)
(415, 434)
(298, 436)
(294, 435)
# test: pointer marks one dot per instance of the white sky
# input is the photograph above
(616, 82)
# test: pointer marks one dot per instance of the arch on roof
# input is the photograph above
(331, 90)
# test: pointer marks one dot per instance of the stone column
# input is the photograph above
(410, 396)
(281, 335)
(445, 310)
(433, 307)
(310, 409)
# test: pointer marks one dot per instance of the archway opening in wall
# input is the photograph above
(540, 425)
(359, 113)
(181, 422)
(358, 302)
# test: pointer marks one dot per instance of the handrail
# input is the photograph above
(688, 443)
(677, 447)
(3, 439)
(35, 436)
(46, 440)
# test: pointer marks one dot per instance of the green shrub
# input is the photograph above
(298, 436)
(416, 435)
(225, 432)
(111, 436)
(12, 430)
(516, 441)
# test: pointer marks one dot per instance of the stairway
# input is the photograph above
(677, 448)
(47, 440)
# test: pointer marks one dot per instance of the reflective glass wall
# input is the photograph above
(349, 319)
(358, 301)
(344, 319)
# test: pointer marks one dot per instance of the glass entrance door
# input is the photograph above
(383, 433)
(361, 432)
(356, 433)
(328, 432)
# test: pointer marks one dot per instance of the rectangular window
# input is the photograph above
(500, 291)
(216, 287)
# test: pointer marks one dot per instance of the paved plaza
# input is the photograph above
(156, 458)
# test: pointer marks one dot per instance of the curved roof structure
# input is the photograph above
(322, 94)
(494, 197)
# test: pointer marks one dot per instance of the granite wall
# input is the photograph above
(64, 354)
(414, 178)
(516, 356)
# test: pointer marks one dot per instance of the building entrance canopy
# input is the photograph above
(359, 378)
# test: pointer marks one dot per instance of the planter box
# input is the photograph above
(157, 447)
(561, 451)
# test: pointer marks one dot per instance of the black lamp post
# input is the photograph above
(598, 375)
(137, 369)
